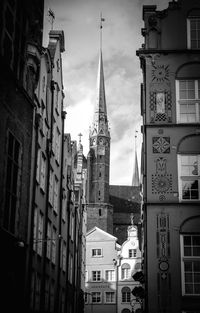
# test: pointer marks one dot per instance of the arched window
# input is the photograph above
(193, 29)
(126, 294)
(189, 168)
(188, 93)
(190, 256)
(126, 271)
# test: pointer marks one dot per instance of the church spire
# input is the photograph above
(100, 122)
(135, 179)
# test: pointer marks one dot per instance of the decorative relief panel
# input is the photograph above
(160, 106)
(163, 255)
(161, 144)
(161, 181)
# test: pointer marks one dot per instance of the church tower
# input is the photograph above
(99, 211)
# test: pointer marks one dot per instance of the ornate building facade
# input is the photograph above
(170, 62)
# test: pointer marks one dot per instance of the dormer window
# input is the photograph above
(193, 29)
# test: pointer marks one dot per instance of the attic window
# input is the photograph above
(96, 253)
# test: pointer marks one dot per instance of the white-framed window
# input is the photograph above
(132, 253)
(53, 246)
(96, 253)
(189, 177)
(190, 265)
(110, 275)
(96, 297)
(96, 275)
(64, 251)
(43, 172)
(51, 186)
(49, 237)
(193, 30)
(126, 295)
(35, 229)
(40, 233)
(55, 195)
(70, 268)
(188, 100)
(86, 276)
(125, 271)
(57, 145)
(64, 204)
(38, 165)
(109, 297)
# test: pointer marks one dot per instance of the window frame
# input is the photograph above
(97, 255)
(114, 297)
(195, 101)
(187, 177)
(100, 277)
(189, 44)
(183, 260)
(108, 271)
(126, 295)
(132, 253)
(96, 292)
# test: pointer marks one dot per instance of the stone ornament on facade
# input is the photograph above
(161, 181)
(161, 144)
(160, 106)
(160, 73)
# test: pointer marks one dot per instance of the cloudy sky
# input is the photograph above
(79, 19)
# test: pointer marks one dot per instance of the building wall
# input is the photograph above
(17, 113)
(99, 239)
(165, 59)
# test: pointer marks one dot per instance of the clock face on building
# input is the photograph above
(160, 73)
(101, 141)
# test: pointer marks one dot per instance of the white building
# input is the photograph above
(128, 263)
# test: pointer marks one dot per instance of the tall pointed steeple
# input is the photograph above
(100, 121)
(99, 212)
(135, 179)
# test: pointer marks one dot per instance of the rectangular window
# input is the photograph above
(12, 183)
(194, 32)
(64, 251)
(70, 268)
(110, 297)
(53, 246)
(35, 229)
(64, 204)
(43, 172)
(110, 275)
(38, 165)
(126, 296)
(55, 195)
(125, 273)
(132, 253)
(51, 186)
(96, 275)
(57, 145)
(40, 233)
(189, 177)
(49, 237)
(188, 101)
(96, 252)
(190, 251)
(96, 297)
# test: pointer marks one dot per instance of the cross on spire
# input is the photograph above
(80, 135)
(101, 26)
